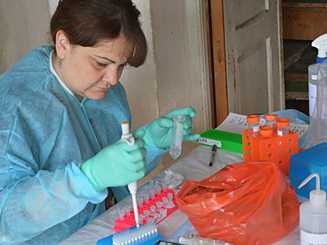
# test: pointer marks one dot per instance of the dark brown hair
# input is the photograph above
(88, 22)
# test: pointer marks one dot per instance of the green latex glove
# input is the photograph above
(160, 131)
(116, 165)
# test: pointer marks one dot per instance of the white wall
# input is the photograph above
(175, 72)
(181, 56)
(141, 83)
(52, 6)
(22, 26)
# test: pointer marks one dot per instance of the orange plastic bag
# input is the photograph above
(245, 204)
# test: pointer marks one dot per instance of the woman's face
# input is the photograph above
(91, 71)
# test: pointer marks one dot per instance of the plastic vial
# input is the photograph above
(313, 215)
(253, 122)
(282, 126)
(176, 146)
(271, 120)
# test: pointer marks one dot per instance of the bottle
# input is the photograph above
(253, 122)
(321, 44)
(313, 215)
(282, 126)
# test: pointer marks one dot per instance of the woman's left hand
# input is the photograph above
(160, 131)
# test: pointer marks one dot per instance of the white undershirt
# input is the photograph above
(56, 75)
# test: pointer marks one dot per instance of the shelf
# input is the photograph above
(305, 2)
(304, 20)
(298, 55)
(301, 105)
(297, 96)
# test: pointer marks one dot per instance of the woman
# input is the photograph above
(61, 108)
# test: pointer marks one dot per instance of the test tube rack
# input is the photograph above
(153, 210)
(277, 149)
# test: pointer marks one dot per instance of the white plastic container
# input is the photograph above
(313, 215)
(313, 84)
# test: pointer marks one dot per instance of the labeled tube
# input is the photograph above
(271, 120)
(253, 122)
(283, 126)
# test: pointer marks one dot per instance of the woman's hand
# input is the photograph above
(160, 131)
(116, 165)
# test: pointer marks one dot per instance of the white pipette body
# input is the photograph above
(132, 187)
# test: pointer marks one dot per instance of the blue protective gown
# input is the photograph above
(45, 134)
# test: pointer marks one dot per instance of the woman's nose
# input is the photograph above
(111, 76)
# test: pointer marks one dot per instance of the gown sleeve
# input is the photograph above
(31, 199)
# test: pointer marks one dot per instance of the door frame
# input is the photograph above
(218, 52)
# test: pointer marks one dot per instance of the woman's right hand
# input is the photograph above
(116, 165)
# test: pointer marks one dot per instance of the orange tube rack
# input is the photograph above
(268, 146)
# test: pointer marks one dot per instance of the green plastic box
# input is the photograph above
(228, 141)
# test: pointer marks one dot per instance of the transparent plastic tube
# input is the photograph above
(283, 126)
(176, 146)
(253, 122)
(271, 120)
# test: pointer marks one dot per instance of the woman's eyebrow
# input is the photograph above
(110, 60)
(105, 58)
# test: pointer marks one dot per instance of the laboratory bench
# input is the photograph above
(192, 166)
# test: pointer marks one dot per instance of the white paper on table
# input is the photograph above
(236, 123)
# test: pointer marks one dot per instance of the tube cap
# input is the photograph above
(253, 119)
(282, 122)
(271, 117)
(266, 131)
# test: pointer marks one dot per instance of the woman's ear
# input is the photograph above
(62, 44)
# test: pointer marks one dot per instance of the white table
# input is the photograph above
(193, 166)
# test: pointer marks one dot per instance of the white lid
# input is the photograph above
(317, 196)
(125, 127)
(321, 44)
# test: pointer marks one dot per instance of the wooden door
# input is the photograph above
(253, 50)
(252, 40)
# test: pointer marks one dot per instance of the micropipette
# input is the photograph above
(132, 187)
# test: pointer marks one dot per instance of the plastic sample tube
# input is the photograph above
(253, 122)
(176, 146)
(271, 120)
(282, 126)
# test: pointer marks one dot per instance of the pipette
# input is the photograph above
(132, 187)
